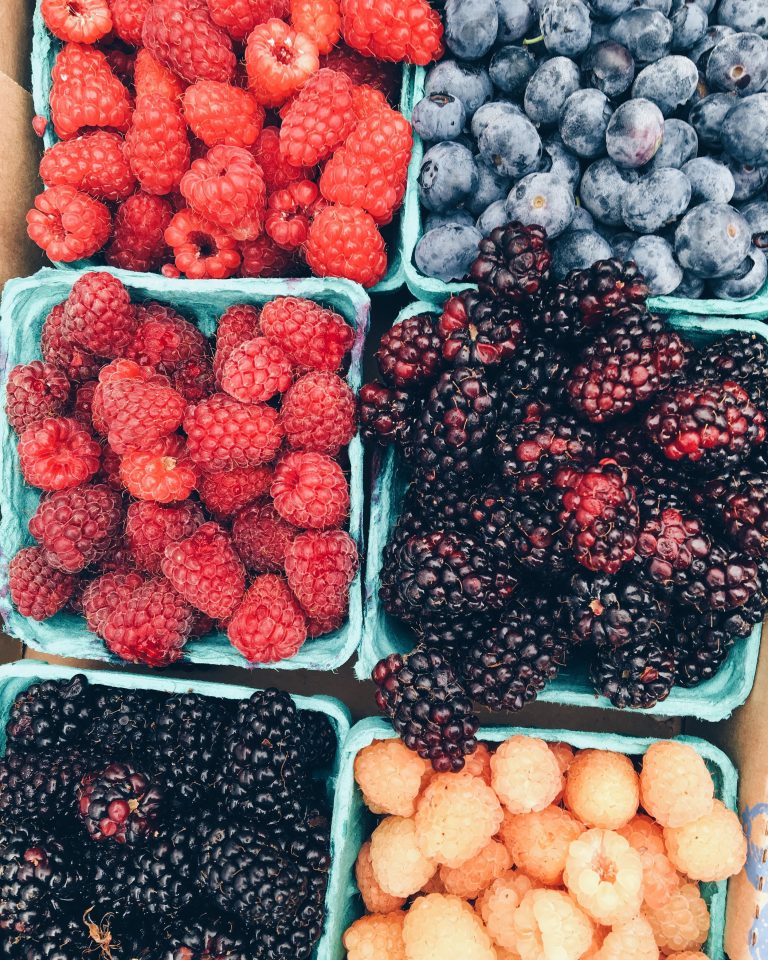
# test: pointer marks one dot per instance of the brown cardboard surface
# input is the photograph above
(16, 39)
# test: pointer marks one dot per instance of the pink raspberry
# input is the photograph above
(320, 20)
(94, 163)
(150, 527)
(103, 594)
(219, 113)
(138, 413)
(227, 189)
(239, 17)
(201, 250)
(206, 571)
(410, 30)
(311, 335)
(99, 315)
(58, 350)
(261, 536)
(163, 474)
(278, 172)
(37, 589)
(164, 339)
(157, 146)
(256, 371)
(223, 433)
(310, 490)
(269, 625)
(290, 212)
(138, 236)
(226, 492)
(150, 626)
(346, 242)
(128, 19)
(82, 406)
(58, 453)
(279, 62)
(85, 92)
(318, 413)
(319, 120)
(184, 38)
(320, 567)
(34, 391)
(68, 225)
(238, 324)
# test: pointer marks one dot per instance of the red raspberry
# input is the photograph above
(202, 626)
(34, 391)
(410, 31)
(138, 239)
(237, 325)
(58, 350)
(93, 163)
(58, 453)
(223, 433)
(268, 626)
(201, 250)
(85, 21)
(110, 470)
(320, 20)
(227, 188)
(318, 626)
(290, 212)
(226, 492)
(151, 78)
(319, 120)
(319, 413)
(256, 371)
(128, 19)
(263, 258)
(279, 62)
(118, 559)
(156, 145)
(139, 413)
(150, 527)
(312, 336)
(85, 92)
(99, 314)
(68, 225)
(260, 536)
(103, 594)
(218, 113)
(150, 626)
(367, 100)
(384, 76)
(163, 474)
(121, 59)
(184, 38)
(82, 407)
(194, 379)
(239, 17)
(164, 339)
(320, 567)
(206, 570)
(278, 172)
(371, 169)
(345, 242)
(310, 490)
(37, 589)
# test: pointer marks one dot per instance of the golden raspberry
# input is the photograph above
(688, 955)
(445, 927)
(660, 879)
(632, 940)
(682, 923)
(470, 879)
(550, 926)
(399, 866)
(498, 904)
(456, 816)
(602, 789)
(605, 876)
(435, 885)
(539, 842)
(374, 898)
(390, 777)
(479, 763)
(371, 938)
(564, 754)
(711, 848)
(675, 785)
(526, 775)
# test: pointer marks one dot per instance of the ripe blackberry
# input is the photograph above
(119, 803)
(428, 707)
(671, 544)
(740, 503)
(532, 451)
(741, 357)
(475, 331)
(107, 898)
(635, 675)
(124, 722)
(513, 263)
(628, 445)
(409, 356)
(40, 788)
(702, 642)
(536, 534)
(453, 637)
(492, 522)
(386, 414)
(161, 876)
(440, 505)
(720, 579)
(204, 938)
(534, 375)
(319, 739)
(51, 713)
(59, 938)
(659, 493)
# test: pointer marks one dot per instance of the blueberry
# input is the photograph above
(609, 68)
(622, 244)
(565, 26)
(691, 286)
(749, 180)
(739, 63)
(601, 31)
(440, 116)
(669, 83)
(490, 187)
(543, 199)
(659, 198)
(506, 139)
(471, 27)
(712, 240)
(494, 216)
(584, 121)
(748, 15)
(558, 159)
(462, 218)
(656, 260)
(447, 252)
(647, 34)
(745, 130)
(516, 17)
(689, 25)
(448, 176)
(707, 116)
(610, 9)
(756, 215)
(635, 133)
(467, 82)
(577, 250)
(602, 189)
(548, 89)
(582, 220)
(706, 5)
(710, 180)
(680, 144)
(701, 51)
(747, 281)
(510, 70)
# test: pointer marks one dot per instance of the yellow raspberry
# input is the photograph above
(632, 940)
(688, 955)
(399, 865)
(498, 904)
(675, 785)
(550, 926)
(526, 775)
(660, 879)
(539, 842)
(605, 876)
(479, 763)
(374, 898)
(390, 777)
(470, 879)
(445, 927)
(564, 754)
(456, 816)
(435, 885)
(602, 789)
(377, 936)
(598, 938)
(711, 848)
(683, 923)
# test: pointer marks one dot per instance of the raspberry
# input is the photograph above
(121, 59)
(194, 379)
(390, 777)
(713, 847)
(58, 453)
(206, 571)
(103, 594)
(33, 392)
(37, 589)
(605, 876)
(564, 754)
(164, 340)
(374, 898)
(675, 785)
(227, 189)
(256, 371)
(310, 490)
(318, 413)
(138, 237)
(263, 258)
(367, 101)
(139, 414)
(156, 145)
(526, 775)
(660, 879)
(410, 31)
(318, 19)
(93, 163)
(399, 865)
(470, 879)
(549, 924)
(345, 242)
(85, 92)
(77, 526)
(239, 17)
(68, 225)
(268, 626)
(279, 61)
(683, 923)
(378, 936)
(151, 78)
(310, 334)
(229, 491)
(497, 905)
(632, 940)
(150, 626)
(59, 351)
(289, 213)
(83, 22)
(688, 955)
(371, 168)
(320, 567)
(218, 113)
(184, 38)
(363, 70)
(319, 120)
(224, 433)
(99, 314)
(128, 19)
(82, 406)
(261, 536)
(538, 842)
(438, 925)
(201, 250)
(151, 527)
(278, 172)
(239, 324)
(602, 789)
(163, 474)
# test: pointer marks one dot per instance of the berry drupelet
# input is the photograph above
(740, 504)
(475, 331)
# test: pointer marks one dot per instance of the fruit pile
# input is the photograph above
(630, 130)
(173, 156)
(188, 487)
(125, 814)
(583, 480)
(538, 852)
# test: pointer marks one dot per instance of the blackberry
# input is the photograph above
(56, 939)
(124, 722)
(532, 451)
(702, 642)
(672, 543)
(628, 445)
(454, 636)
(475, 331)
(492, 516)
(513, 263)
(386, 414)
(107, 896)
(741, 357)
(119, 803)
(740, 503)
(428, 707)
(536, 536)
(655, 494)
(161, 876)
(206, 938)
(40, 788)
(409, 354)
(534, 375)
(721, 579)
(320, 741)
(440, 504)
(51, 713)
(635, 675)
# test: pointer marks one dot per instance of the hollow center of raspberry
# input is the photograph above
(605, 868)
(205, 244)
(282, 52)
(74, 8)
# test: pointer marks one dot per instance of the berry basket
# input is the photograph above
(25, 305)
(45, 48)
(352, 822)
(436, 291)
(712, 700)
